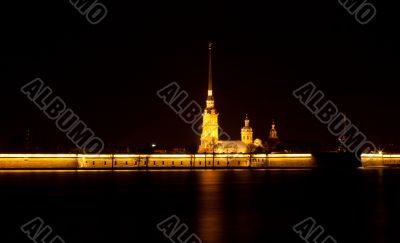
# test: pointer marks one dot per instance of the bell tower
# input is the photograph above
(209, 135)
(273, 134)
(247, 132)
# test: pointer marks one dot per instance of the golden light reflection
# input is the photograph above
(210, 212)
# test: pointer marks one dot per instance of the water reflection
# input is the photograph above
(210, 218)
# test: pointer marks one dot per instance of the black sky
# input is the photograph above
(109, 73)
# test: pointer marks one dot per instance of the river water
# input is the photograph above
(218, 205)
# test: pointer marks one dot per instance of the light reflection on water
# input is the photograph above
(209, 211)
(218, 205)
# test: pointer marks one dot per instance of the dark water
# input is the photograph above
(219, 206)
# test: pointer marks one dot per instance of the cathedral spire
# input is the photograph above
(210, 98)
(209, 135)
(210, 44)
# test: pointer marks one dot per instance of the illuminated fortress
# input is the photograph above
(212, 152)
(209, 140)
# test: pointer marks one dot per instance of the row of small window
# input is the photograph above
(115, 162)
(173, 163)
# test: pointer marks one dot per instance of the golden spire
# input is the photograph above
(210, 44)
(210, 98)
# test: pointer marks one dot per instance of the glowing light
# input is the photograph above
(126, 155)
(167, 156)
(289, 155)
(38, 155)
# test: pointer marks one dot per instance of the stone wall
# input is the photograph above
(133, 161)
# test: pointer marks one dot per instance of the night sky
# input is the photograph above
(109, 73)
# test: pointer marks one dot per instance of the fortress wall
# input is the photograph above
(95, 162)
(133, 161)
(38, 163)
(380, 160)
(166, 161)
(291, 162)
(195, 161)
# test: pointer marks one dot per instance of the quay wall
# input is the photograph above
(38, 163)
(377, 160)
(154, 161)
(159, 161)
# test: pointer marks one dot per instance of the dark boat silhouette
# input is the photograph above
(335, 159)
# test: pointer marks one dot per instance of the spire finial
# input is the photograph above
(210, 44)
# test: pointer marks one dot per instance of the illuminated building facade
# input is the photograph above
(209, 135)
(209, 140)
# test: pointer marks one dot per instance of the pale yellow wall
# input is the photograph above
(156, 161)
(33, 163)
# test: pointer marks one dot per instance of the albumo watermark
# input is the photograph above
(176, 231)
(362, 10)
(338, 124)
(65, 119)
(189, 111)
(310, 232)
(92, 9)
(37, 231)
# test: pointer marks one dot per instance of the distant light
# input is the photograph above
(153, 145)
(380, 151)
